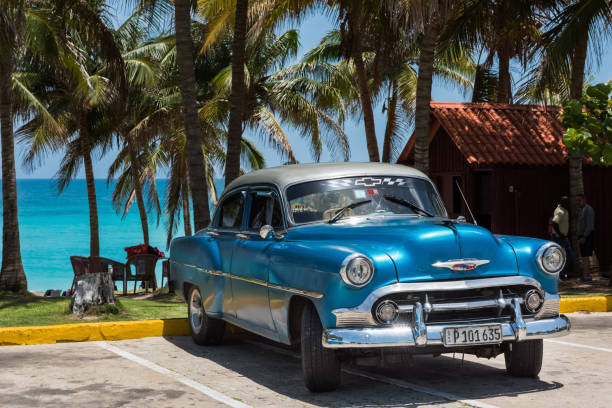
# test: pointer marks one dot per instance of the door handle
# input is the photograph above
(213, 233)
(242, 236)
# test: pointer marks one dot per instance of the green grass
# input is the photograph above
(29, 310)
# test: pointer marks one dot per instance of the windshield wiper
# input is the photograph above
(340, 213)
(408, 204)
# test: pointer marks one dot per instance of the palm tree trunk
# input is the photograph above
(423, 97)
(504, 86)
(142, 211)
(391, 124)
(237, 96)
(185, 202)
(578, 63)
(12, 276)
(94, 231)
(362, 80)
(193, 130)
(576, 185)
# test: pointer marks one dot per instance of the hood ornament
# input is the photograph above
(461, 265)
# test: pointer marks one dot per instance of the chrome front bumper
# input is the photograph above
(407, 336)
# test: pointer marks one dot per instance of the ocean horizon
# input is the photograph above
(54, 227)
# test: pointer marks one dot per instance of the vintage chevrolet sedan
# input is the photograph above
(359, 262)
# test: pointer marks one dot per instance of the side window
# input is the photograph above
(230, 213)
(265, 210)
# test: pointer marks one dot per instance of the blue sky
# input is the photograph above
(311, 30)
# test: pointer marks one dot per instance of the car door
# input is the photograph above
(251, 259)
(229, 222)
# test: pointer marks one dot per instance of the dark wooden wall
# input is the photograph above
(522, 198)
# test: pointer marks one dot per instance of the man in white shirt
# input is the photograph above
(560, 230)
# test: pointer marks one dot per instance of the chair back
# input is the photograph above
(100, 265)
(144, 266)
(80, 265)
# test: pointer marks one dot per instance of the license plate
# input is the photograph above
(457, 336)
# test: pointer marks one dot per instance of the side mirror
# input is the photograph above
(461, 219)
(266, 232)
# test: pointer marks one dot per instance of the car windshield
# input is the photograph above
(321, 200)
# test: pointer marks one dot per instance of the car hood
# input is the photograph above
(416, 243)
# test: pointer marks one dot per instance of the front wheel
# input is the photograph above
(320, 366)
(524, 359)
(204, 330)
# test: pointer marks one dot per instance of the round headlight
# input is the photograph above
(357, 270)
(551, 258)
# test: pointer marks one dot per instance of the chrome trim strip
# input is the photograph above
(315, 295)
(403, 335)
(453, 264)
(249, 280)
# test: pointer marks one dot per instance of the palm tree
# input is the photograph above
(395, 74)
(193, 129)
(288, 95)
(238, 92)
(84, 91)
(12, 20)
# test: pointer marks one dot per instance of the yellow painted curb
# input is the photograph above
(92, 331)
(180, 327)
(586, 304)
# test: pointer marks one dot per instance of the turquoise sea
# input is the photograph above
(53, 227)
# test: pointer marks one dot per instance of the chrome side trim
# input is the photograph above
(398, 336)
(315, 295)
(308, 293)
(249, 280)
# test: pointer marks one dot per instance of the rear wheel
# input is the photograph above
(320, 366)
(204, 329)
(524, 359)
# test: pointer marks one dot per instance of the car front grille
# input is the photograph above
(459, 305)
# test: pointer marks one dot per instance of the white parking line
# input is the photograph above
(183, 380)
(387, 380)
(565, 343)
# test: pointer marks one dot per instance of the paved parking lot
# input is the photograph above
(172, 371)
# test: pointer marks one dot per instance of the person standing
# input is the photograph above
(586, 237)
(560, 229)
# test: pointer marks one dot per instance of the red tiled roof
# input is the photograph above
(491, 133)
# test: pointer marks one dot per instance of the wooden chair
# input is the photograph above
(101, 265)
(144, 270)
(80, 266)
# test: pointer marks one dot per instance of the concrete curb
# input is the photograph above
(586, 304)
(65, 333)
(180, 327)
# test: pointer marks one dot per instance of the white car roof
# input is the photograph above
(282, 176)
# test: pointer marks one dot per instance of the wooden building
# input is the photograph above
(512, 167)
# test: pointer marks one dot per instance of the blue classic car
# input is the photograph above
(352, 261)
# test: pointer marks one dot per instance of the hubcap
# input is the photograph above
(196, 311)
